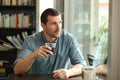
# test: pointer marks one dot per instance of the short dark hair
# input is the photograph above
(47, 12)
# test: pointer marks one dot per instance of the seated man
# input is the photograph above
(37, 58)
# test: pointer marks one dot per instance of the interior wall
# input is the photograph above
(59, 5)
(41, 5)
(37, 15)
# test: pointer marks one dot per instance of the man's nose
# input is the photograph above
(59, 26)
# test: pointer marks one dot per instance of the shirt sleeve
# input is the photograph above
(25, 51)
(76, 56)
(96, 62)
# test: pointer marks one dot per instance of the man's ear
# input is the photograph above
(43, 25)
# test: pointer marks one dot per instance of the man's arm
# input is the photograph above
(23, 66)
(63, 74)
(75, 70)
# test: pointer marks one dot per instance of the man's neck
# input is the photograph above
(48, 38)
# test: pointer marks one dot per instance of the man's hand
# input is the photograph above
(101, 69)
(61, 73)
(43, 51)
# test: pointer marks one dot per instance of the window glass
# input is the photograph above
(88, 21)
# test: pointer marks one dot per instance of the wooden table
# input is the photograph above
(45, 77)
(38, 77)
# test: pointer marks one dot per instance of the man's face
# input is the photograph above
(53, 26)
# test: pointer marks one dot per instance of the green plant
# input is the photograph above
(102, 29)
(101, 40)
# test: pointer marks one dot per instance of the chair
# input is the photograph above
(90, 59)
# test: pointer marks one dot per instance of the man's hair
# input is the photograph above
(49, 12)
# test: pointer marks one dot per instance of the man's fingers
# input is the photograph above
(47, 49)
(55, 75)
(43, 54)
(61, 73)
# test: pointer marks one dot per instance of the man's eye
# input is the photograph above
(53, 23)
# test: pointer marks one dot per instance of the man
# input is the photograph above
(37, 58)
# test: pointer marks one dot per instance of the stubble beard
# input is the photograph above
(53, 35)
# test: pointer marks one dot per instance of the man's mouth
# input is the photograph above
(57, 32)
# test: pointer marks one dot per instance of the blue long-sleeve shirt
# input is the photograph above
(66, 51)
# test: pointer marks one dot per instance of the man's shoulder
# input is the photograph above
(34, 35)
(67, 34)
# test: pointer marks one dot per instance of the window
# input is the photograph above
(88, 21)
